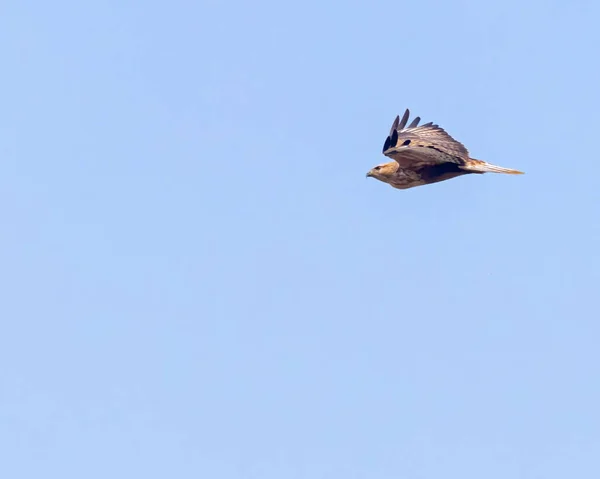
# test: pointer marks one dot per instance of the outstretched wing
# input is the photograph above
(428, 144)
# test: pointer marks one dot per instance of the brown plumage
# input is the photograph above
(426, 154)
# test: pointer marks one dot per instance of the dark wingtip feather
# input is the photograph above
(415, 122)
(394, 139)
(404, 120)
(394, 125)
(386, 145)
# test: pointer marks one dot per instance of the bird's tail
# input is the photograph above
(478, 166)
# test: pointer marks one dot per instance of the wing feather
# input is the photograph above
(414, 123)
(428, 144)
(403, 122)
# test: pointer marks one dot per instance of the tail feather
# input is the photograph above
(483, 167)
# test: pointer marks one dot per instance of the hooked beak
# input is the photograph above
(369, 174)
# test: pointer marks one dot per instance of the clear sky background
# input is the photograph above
(198, 281)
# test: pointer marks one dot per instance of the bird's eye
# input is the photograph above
(406, 143)
(378, 167)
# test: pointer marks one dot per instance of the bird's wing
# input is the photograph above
(427, 144)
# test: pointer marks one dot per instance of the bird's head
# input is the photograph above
(384, 172)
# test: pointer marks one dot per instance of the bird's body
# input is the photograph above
(426, 154)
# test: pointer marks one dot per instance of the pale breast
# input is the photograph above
(404, 179)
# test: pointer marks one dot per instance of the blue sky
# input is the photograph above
(199, 282)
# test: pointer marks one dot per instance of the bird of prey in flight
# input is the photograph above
(426, 154)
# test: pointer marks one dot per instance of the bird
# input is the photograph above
(426, 154)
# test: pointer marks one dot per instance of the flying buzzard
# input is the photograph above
(426, 154)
